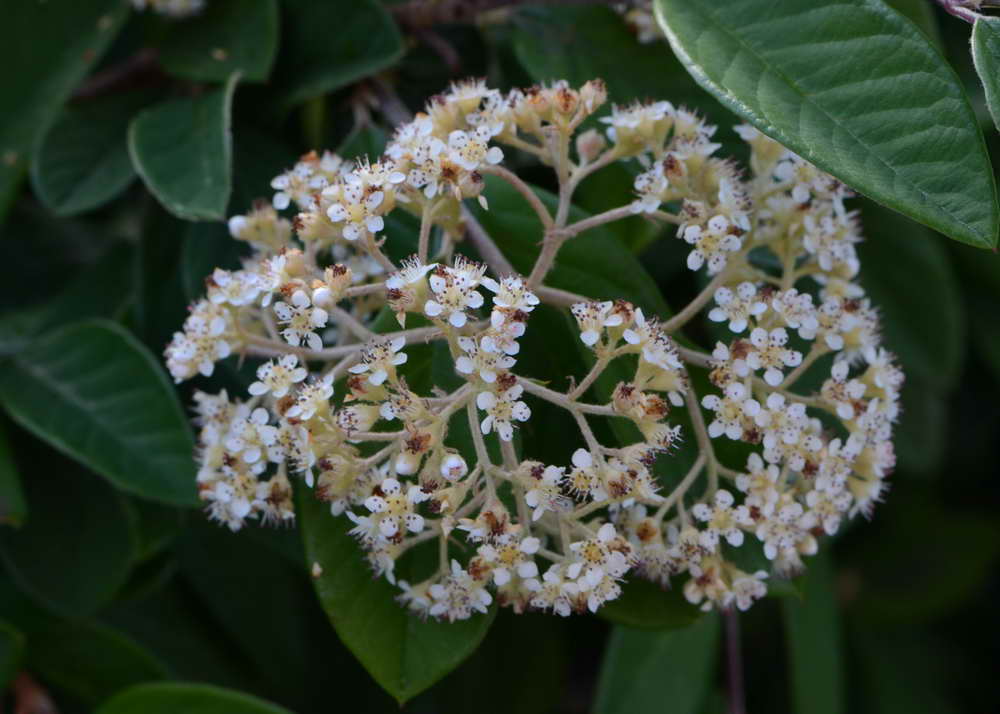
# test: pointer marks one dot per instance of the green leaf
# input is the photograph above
(921, 13)
(82, 162)
(48, 48)
(903, 672)
(95, 393)
(227, 36)
(237, 576)
(174, 697)
(183, 151)
(11, 652)
(645, 605)
(920, 435)
(172, 622)
(814, 646)
(403, 653)
(77, 301)
(645, 670)
(924, 326)
(316, 61)
(89, 660)
(854, 88)
(986, 54)
(77, 549)
(13, 509)
(594, 263)
(898, 583)
(154, 525)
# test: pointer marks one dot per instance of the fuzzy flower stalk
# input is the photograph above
(335, 316)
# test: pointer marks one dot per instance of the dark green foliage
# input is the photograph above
(117, 595)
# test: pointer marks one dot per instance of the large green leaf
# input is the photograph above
(814, 647)
(921, 13)
(175, 697)
(94, 392)
(46, 48)
(228, 36)
(13, 509)
(403, 653)
(183, 151)
(76, 550)
(668, 670)
(329, 45)
(986, 54)
(854, 88)
(82, 162)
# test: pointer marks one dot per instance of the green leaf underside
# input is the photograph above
(814, 646)
(46, 48)
(645, 670)
(83, 161)
(77, 549)
(986, 55)
(176, 697)
(403, 653)
(94, 392)
(13, 509)
(314, 62)
(182, 149)
(227, 36)
(854, 88)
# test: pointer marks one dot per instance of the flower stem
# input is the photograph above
(734, 664)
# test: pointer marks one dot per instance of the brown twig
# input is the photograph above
(427, 13)
(734, 663)
(120, 75)
(961, 9)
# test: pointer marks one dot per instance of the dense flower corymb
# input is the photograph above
(343, 397)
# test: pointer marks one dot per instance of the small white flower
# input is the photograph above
(502, 410)
(278, 377)
(380, 358)
(593, 317)
(301, 319)
(739, 307)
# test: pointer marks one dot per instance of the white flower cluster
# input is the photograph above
(342, 403)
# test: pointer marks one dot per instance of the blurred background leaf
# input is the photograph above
(643, 669)
(228, 36)
(182, 149)
(52, 45)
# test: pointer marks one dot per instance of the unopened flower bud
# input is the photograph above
(589, 145)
